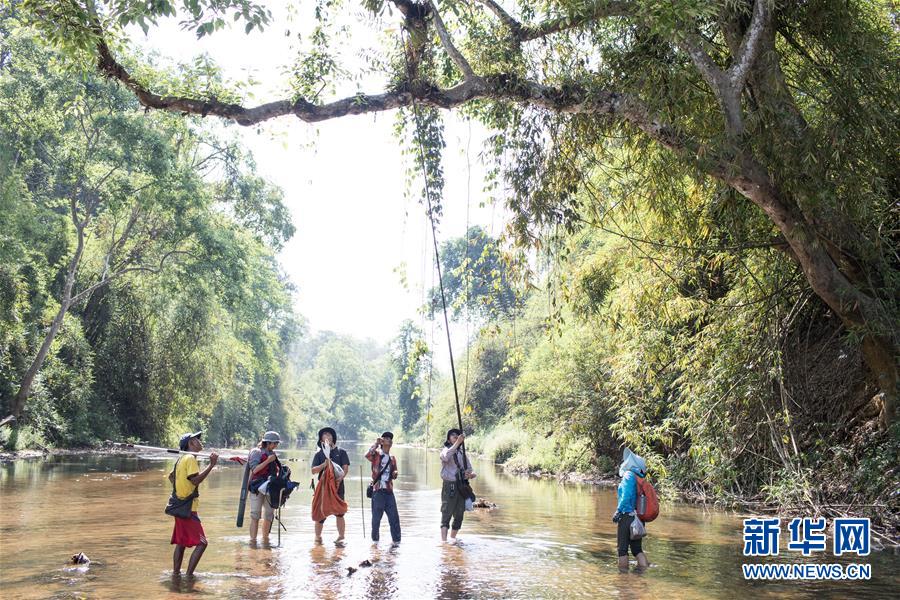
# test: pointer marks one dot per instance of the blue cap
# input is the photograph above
(186, 438)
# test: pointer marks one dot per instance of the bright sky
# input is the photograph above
(344, 182)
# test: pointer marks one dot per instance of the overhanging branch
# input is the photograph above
(572, 99)
(447, 42)
(599, 9)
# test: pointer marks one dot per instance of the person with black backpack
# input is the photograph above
(263, 463)
(381, 490)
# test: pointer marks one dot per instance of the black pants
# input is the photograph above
(453, 505)
(624, 537)
(383, 502)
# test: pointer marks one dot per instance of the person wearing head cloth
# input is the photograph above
(263, 464)
(455, 467)
(186, 477)
(327, 443)
(632, 467)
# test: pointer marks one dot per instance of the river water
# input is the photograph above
(545, 540)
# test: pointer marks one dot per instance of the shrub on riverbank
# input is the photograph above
(732, 381)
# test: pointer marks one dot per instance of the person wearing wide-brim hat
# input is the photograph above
(263, 463)
(329, 453)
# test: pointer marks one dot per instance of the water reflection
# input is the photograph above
(544, 541)
(381, 577)
(453, 581)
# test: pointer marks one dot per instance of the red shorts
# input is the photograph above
(188, 532)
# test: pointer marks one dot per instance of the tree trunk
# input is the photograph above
(38, 362)
(858, 311)
(64, 304)
(809, 227)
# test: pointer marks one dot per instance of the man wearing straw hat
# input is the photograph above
(186, 477)
(262, 463)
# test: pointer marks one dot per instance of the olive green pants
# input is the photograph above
(453, 505)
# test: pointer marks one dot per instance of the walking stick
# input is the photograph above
(362, 501)
(280, 525)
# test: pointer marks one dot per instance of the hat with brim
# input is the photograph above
(632, 462)
(326, 430)
(271, 436)
(186, 439)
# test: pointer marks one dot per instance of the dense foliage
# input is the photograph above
(708, 189)
(718, 365)
(780, 118)
(180, 317)
(348, 384)
(475, 279)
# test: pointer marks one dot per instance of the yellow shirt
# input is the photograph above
(187, 465)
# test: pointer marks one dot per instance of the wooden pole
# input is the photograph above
(362, 501)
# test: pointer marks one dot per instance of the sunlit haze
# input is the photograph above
(359, 234)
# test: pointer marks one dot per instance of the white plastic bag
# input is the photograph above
(638, 530)
(470, 504)
(338, 471)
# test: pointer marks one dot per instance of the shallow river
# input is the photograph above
(544, 541)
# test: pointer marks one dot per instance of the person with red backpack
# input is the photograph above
(633, 505)
(263, 464)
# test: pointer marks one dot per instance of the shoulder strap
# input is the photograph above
(384, 468)
(456, 459)
(174, 476)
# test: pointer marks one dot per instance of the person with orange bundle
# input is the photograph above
(331, 464)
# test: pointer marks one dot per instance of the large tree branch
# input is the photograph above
(119, 273)
(504, 16)
(750, 46)
(447, 42)
(598, 10)
(718, 81)
(572, 99)
(728, 86)
(692, 45)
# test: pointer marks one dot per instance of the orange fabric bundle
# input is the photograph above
(326, 501)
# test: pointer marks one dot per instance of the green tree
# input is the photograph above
(788, 107)
(409, 355)
(475, 278)
(345, 383)
(139, 291)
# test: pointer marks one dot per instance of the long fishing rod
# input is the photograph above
(238, 459)
(437, 260)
